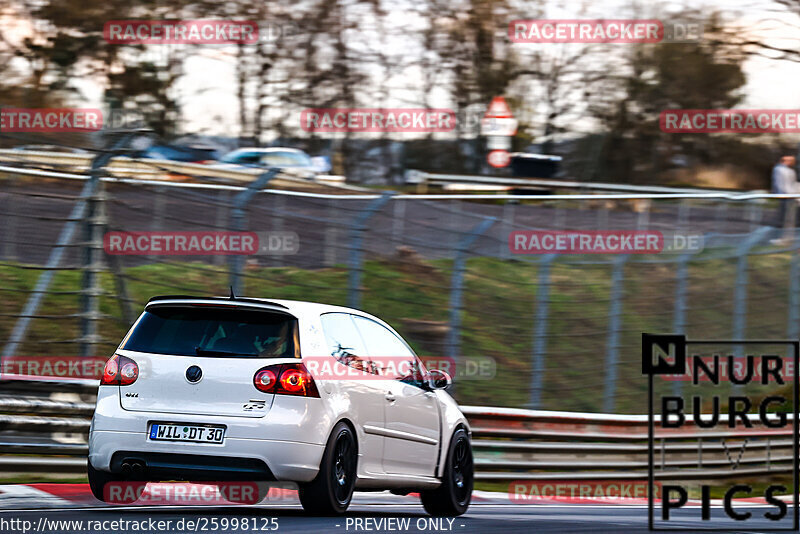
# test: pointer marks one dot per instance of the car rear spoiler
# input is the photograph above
(188, 299)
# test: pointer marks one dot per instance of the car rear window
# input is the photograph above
(214, 332)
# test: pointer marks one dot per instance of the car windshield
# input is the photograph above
(214, 332)
(286, 159)
(176, 153)
(242, 158)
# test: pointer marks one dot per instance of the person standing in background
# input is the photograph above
(784, 181)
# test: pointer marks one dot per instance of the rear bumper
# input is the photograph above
(287, 443)
(235, 459)
(190, 467)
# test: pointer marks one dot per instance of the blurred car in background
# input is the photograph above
(184, 153)
(189, 153)
(297, 161)
(46, 156)
(527, 165)
(51, 148)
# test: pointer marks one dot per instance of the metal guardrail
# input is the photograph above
(423, 179)
(546, 445)
(361, 194)
(153, 169)
(509, 444)
(124, 165)
(146, 169)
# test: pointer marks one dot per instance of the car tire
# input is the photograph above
(452, 497)
(98, 480)
(332, 489)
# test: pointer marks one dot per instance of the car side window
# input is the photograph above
(388, 352)
(246, 158)
(344, 341)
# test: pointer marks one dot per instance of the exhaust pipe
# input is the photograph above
(132, 468)
(127, 468)
(137, 469)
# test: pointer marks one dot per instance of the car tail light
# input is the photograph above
(119, 371)
(265, 380)
(286, 379)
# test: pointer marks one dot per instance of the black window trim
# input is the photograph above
(189, 304)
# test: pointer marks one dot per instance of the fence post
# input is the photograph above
(455, 212)
(331, 234)
(356, 249)
(769, 456)
(10, 224)
(612, 342)
(279, 205)
(91, 290)
(238, 216)
(740, 289)
(754, 213)
(77, 214)
(508, 224)
(398, 221)
(559, 217)
(123, 297)
(679, 313)
(457, 286)
(699, 453)
(602, 217)
(540, 330)
(684, 209)
(721, 216)
(223, 202)
(159, 202)
(794, 294)
(789, 220)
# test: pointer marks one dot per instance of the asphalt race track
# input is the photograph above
(368, 513)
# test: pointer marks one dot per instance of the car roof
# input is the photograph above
(270, 149)
(296, 307)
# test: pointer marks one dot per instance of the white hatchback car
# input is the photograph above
(209, 389)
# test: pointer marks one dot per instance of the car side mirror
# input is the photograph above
(439, 379)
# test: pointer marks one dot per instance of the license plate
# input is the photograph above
(193, 433)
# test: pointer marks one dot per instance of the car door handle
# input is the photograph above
(389, 397)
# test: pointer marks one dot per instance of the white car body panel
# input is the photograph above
(412, 430)
(215, 394)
